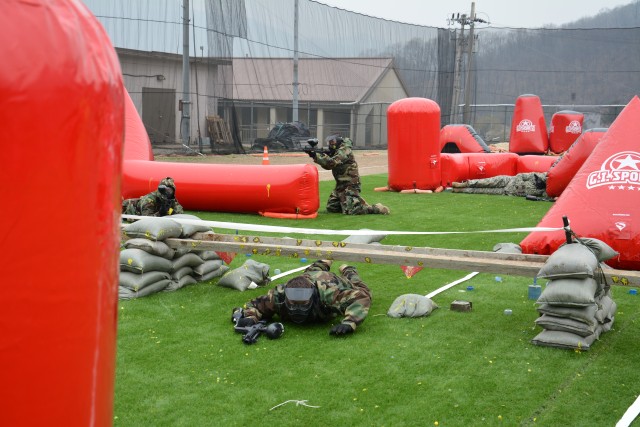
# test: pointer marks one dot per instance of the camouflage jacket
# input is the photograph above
(342, 164)
(152, 205)
(338, 295)
(522, 184)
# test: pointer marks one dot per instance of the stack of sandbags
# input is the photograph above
(576, 305)
(148, 265)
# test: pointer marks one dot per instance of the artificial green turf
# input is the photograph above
(179, 363)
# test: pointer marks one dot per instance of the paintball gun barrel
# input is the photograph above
(313, 147)
(250, 334)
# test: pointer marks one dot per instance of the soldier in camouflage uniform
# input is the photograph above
(161, 202)
(318, 295)
(345, 197)
(522, 184)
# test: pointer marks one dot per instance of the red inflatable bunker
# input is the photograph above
(534, 163)
(566, 127)
(413, 128)
(461, 139)
(603, 199)
(464, 166)
(285, 191)
(62, 115)
(528, 129)
(565, 168)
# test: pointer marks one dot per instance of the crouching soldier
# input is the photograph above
(161, 202)
(318, 295)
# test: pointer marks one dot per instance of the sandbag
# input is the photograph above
(125, 293)
(189, 229)
(207, 255)
(153, 228)
(213, 274)
(181, 272)
(600, 249)
(565, 324)
(582, 314)
(570, 261)
(411, 305)
(153, 247)
(566, 340)
(368, 238)
(135, 282)
(174, 285)
(139, 261)
(207, 267)
(186, 260)
(570, 292)
(241, 277)
(507, 248)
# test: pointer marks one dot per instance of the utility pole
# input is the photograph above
(295, 61)
(463, 44)
(455, 99)
(466, 112)
(185, 124)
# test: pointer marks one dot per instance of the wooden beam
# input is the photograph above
(450, 259)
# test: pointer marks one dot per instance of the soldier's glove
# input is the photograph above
(312, 154)
(341, 329)
(245, 321)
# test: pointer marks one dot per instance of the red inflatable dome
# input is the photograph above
(603, 199)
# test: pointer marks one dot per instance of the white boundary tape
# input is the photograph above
(278, 229)
(450, 285)
(630, 414)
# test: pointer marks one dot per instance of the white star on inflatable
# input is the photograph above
(627, 162)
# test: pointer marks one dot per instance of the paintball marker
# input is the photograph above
(252, 332)
(312, 149)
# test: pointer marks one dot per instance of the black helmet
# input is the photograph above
(300, 294)
(336, 139)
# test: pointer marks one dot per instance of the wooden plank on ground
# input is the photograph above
(450, 259)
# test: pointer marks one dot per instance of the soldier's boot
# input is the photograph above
(463, 184)
(346, 270)
(379, 208)
(328, 262)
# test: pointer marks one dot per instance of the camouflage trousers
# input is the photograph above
(130, 207)
(347, 200)
(351, 274)
(522, 184)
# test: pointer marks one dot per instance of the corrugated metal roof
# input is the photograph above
(319, 79)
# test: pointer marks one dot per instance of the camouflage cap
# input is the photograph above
(168, 181)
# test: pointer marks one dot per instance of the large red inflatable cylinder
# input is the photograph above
(61, 109)
(566, 127)
(285, 189)
(413, 131)
(528, 129)
(567, 165)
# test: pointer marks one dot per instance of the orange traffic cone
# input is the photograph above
(265, 156)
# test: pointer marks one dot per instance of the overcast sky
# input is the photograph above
(501, 13)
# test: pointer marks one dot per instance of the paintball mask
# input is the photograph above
(333, 141)
(167, 188)
(300, 294)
